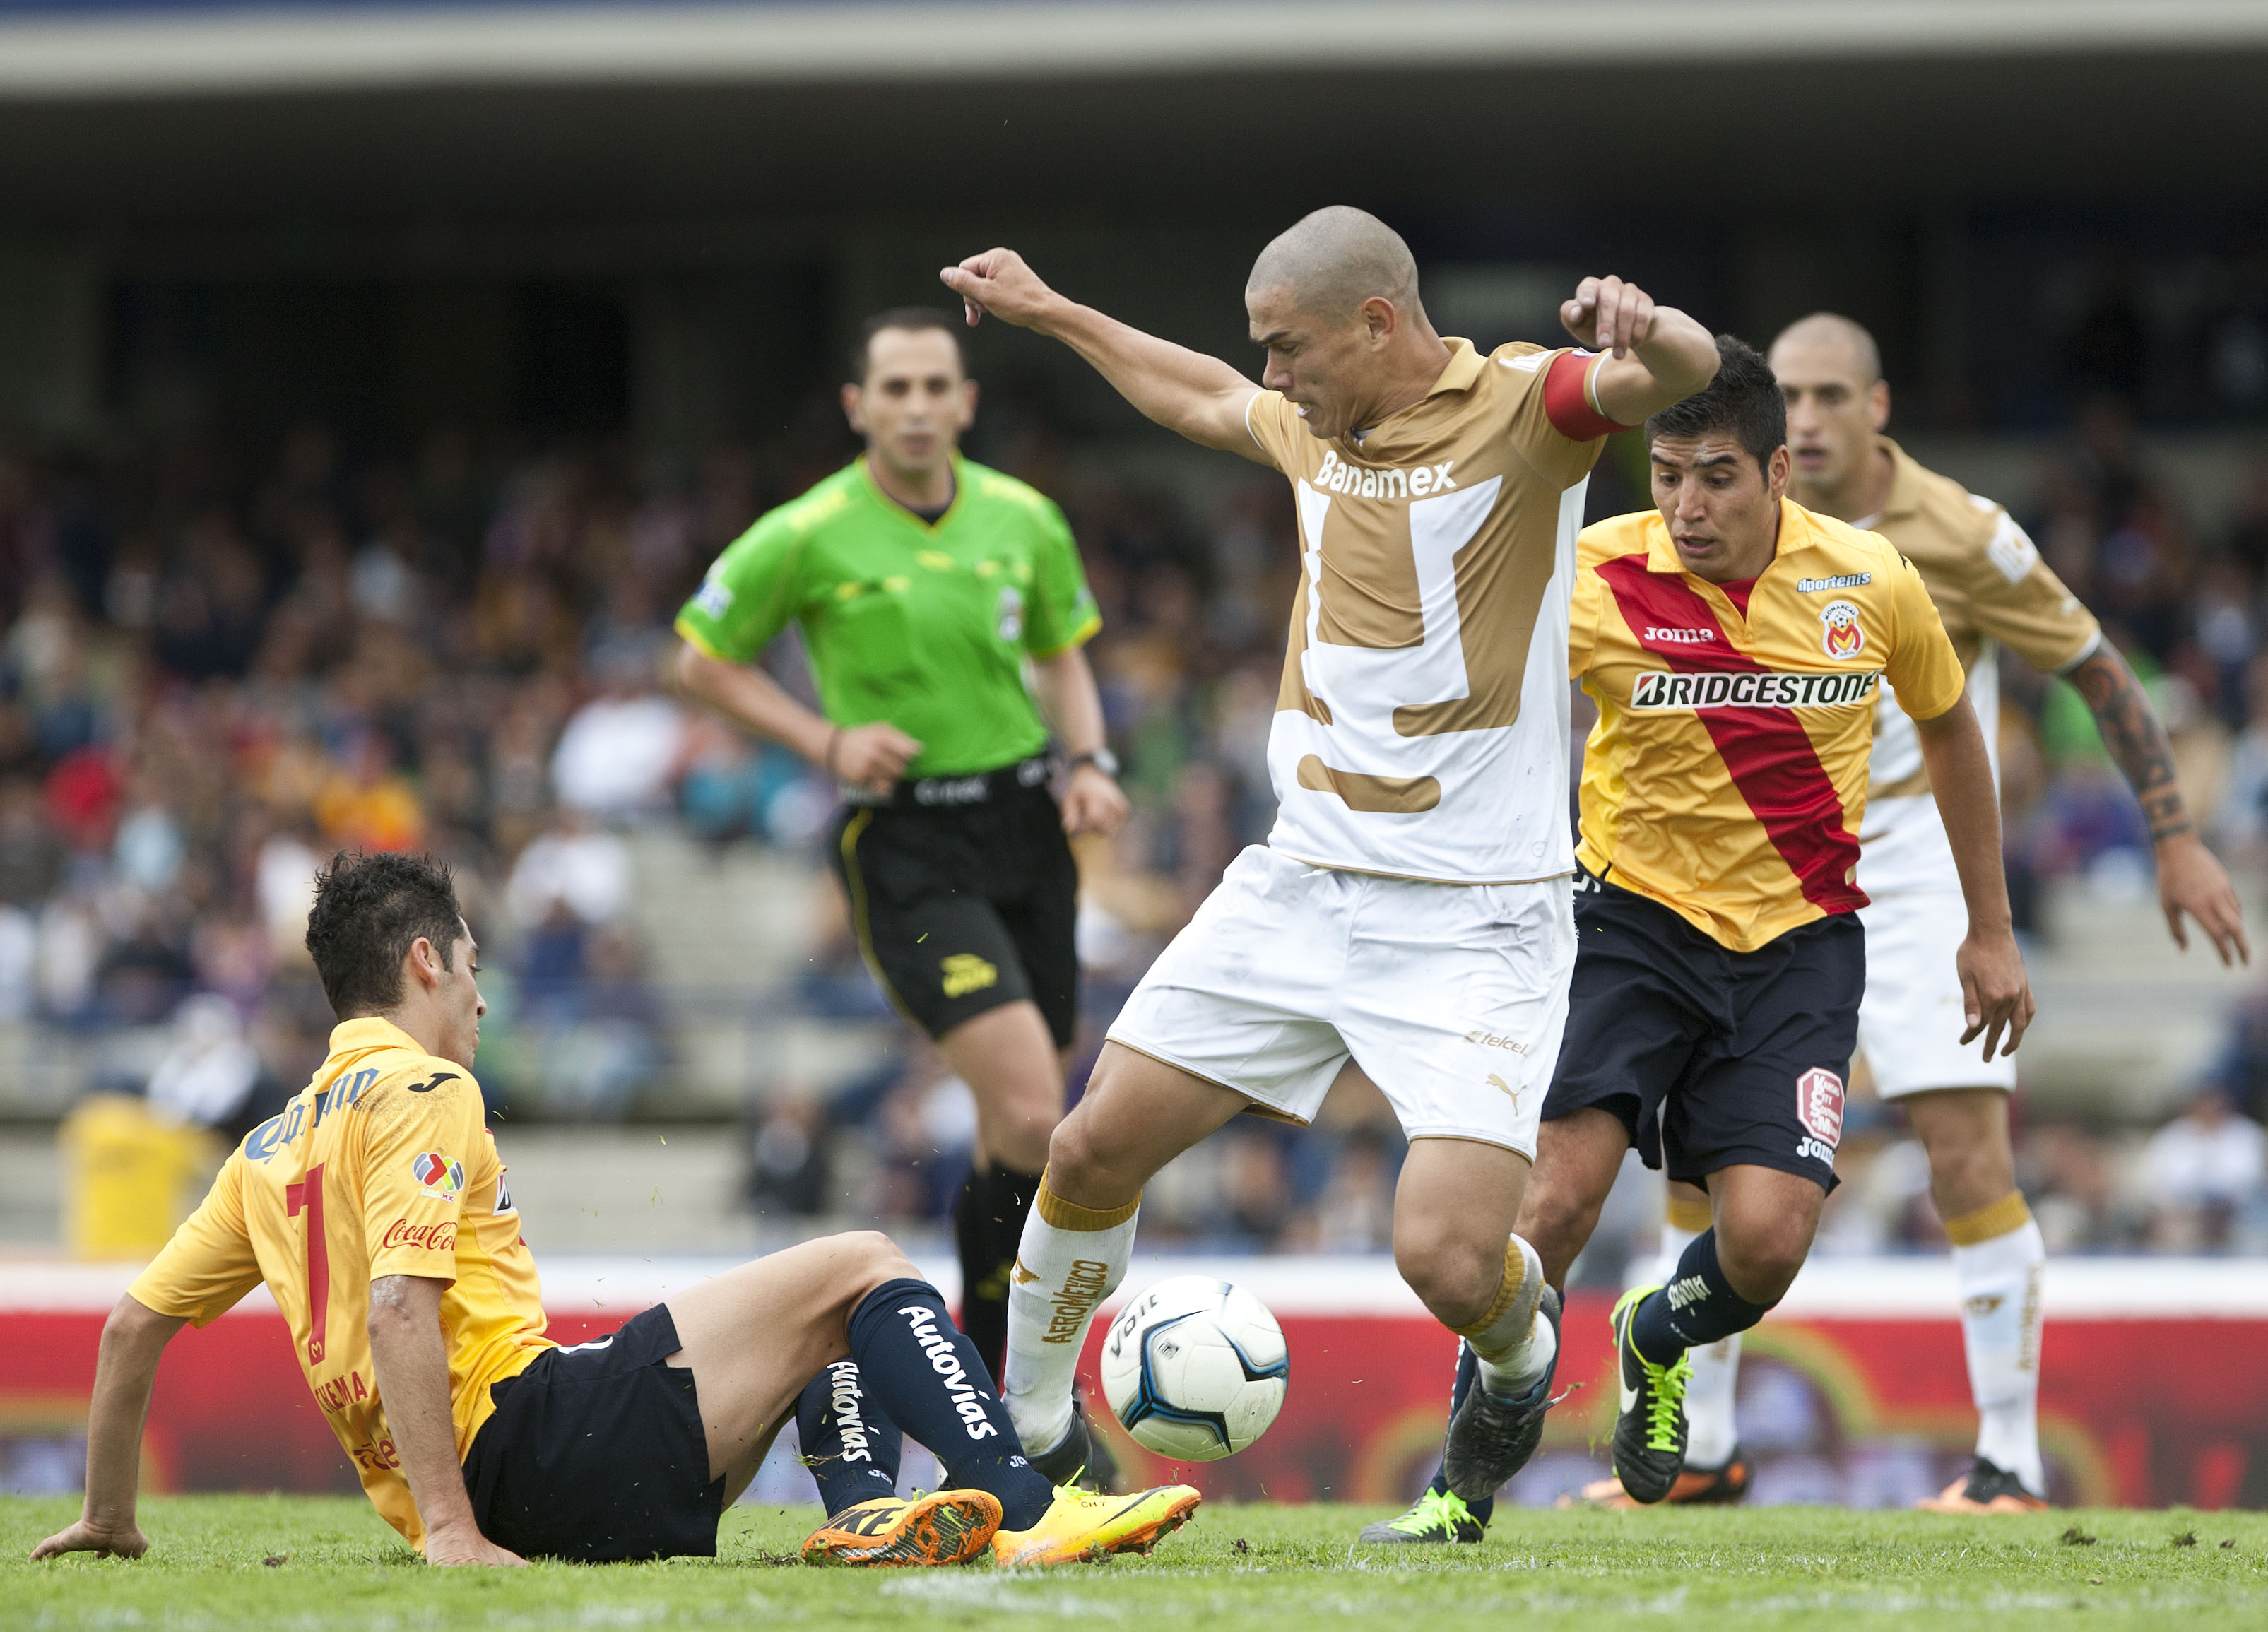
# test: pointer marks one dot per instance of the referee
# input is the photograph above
(923, 584)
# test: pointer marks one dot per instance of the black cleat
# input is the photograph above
(1073, 1461)
(1490, 1439)
(1650, 1429)
(1989, 1488)
(1437, 1516)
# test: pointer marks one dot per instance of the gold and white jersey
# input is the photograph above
(1991, 588)
(1421, 730)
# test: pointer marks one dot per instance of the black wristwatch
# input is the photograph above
(1103, 759)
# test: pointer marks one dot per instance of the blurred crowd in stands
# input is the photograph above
(218, 665)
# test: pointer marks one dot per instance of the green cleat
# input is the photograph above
(1437, 1516)
(1650, 1429)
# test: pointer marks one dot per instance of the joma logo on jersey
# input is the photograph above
(1658, 691)
(1366, 482)
(1682, 637)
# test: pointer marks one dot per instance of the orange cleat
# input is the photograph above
(1694, 1487)
(1989, 1488)
(944, 1527)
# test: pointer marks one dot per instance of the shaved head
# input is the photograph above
(1862, 357)
(1331, 261)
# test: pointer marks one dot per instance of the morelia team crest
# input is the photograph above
(437, 1175)
(1842, 637)
(1819, 1105)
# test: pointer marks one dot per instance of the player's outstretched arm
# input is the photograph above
(412, 1364)
(2190, 880)
(1657, 355)
(133, 1339)
(1201, 397)
(1996, 992)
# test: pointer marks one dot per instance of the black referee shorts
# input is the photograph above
(1711, 1058)
(596, 1453)
(965, 896)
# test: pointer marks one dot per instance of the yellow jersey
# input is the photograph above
(1726, 775)
(382, 1166)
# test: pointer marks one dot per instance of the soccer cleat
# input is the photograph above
(1490, 1439)
(1082, 1526)
(944, 1527)
(1697, 1487)
(1989, 1488)
(1437, 1516)
(1073, 1461)
(1650, 1429)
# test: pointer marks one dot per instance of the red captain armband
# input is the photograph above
(1567, 399)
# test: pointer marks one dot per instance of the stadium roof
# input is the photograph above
(81, 49)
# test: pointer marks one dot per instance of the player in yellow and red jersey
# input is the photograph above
(1736, 645)
(1992, 590)
(375, 1211)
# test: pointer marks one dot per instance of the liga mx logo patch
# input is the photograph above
(1819, 1105)
(1842, 638)
(437, 1175)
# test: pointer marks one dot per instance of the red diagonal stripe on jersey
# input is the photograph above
(1766, 751)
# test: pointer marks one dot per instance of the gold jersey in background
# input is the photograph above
(1421, 729)
(1992, 588)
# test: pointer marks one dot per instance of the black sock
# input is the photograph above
(850, 1443)
(1697, 1306)
(1469, 1374)
(920, 1368)
(988, 1226)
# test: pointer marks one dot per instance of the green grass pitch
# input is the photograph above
(237, 1564)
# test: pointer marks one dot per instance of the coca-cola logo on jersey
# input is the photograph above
(434, 1238)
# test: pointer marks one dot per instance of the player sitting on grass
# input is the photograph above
(1736, 644)
(375, 1211)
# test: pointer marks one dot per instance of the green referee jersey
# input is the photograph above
(925, 625)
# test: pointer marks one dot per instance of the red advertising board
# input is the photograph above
(2153, 1383)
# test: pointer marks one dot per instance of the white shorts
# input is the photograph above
(1450, 996)
(1912, 1018)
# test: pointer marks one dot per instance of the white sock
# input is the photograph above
(1070, 1260)
(1711, 1431)
(2000, 1261)
(1513, 1342)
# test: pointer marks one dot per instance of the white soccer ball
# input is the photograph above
(1195, 1368)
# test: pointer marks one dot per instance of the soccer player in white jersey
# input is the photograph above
(1411, 910)
(1992, 588)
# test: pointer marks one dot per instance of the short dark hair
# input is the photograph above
(1744, 399)
(369, 910)
(915, 318)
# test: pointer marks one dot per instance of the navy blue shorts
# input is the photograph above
(596, 1453)
(1711, 1058)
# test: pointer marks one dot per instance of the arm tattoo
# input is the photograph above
(2136, 741)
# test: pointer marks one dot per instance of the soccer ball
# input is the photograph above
(1195, 1368)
